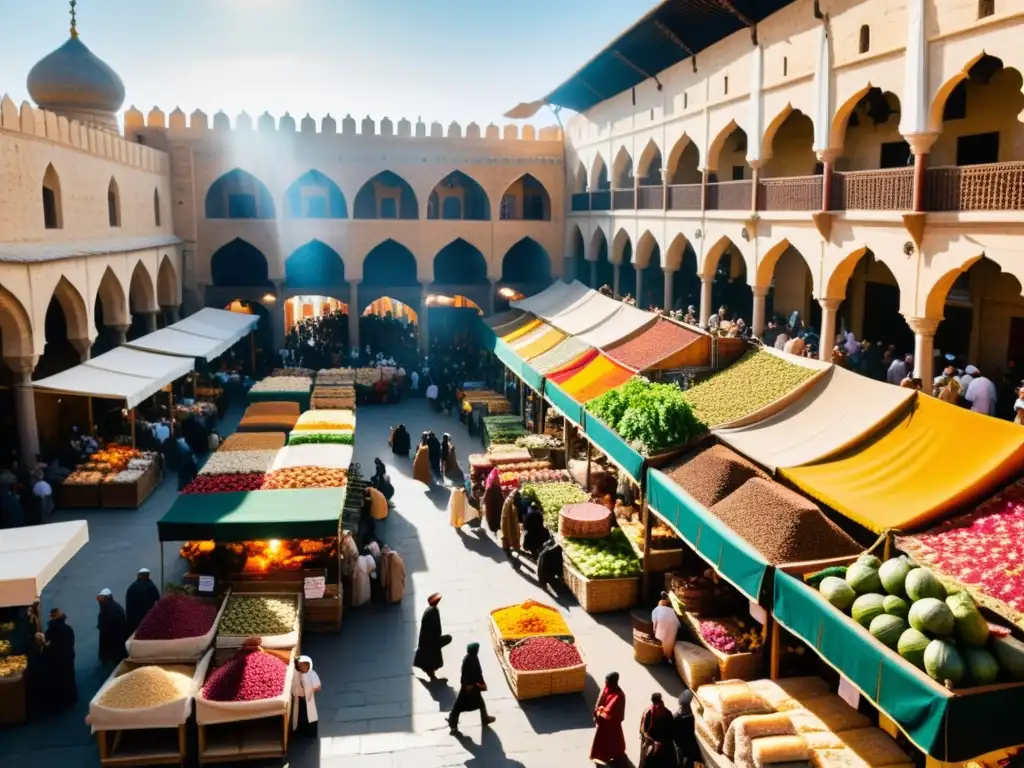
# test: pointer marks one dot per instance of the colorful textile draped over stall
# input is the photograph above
(595, 378)
(936, 458)
(663, 345)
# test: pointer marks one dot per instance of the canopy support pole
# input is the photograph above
(645, 515)
(131, 418)
(195, 386)
(588, 465)
(775, 652)
(522, 402)
(92, 421)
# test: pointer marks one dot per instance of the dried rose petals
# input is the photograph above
(252, 481)
(175, 617)
(250, 676)
(538, 653)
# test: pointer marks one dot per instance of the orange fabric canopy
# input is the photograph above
(574, 366)
(934, 459)
(595, 378)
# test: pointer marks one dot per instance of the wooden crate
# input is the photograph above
(259, 589)
(263, 739)
(323, 614)
(129, 495)
(533, 685)
(734, 666)
(71, 496)
(13, 699)
(144, 746)
(600, 595)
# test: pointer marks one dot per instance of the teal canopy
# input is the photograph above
(605, 438)
(532, 378)
(559, 398)
(508, 357)
(735, 559)
(951, 727)
(251, 515)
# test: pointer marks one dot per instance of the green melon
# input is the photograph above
(911, 647)
(931, 615)
(896, 606)
(1009, 652)
(921, 583)
(982, 667)
(867, 607)
(971, 628)
(893, 574)
(863, 578)
(888, 629)
(870, 561)
(837, 592)
(943, 662)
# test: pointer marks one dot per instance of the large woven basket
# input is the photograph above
(600, 595)
(731, 666)
(547, 682)
(646, 649)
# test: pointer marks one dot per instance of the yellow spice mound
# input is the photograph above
(529, 619)
(148, 687)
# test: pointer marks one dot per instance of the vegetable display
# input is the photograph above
(238, 462)
(258, 615)
(305, 477)
(318, 438)
(538, 441)
(541, 653)
(943, 634)
(757, 379)
(250, 481)
(649, 416)
(148, 687)
(534, 476)
(175, 617)
(608, 558)
(251, 675)
(529, 619)
(551, 497)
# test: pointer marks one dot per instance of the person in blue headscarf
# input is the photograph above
(472, 686)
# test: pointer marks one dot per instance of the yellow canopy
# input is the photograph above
(934, 459)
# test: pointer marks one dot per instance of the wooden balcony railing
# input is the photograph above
(890, 189)
(581, 201)
(650, 198)
(623, 199)
(684, 197)
(794, 193)
(730, 195)
(601, 200)
(989, 187)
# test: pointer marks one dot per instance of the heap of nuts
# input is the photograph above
(539, 653)
(148, 687)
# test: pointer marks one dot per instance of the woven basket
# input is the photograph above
(646, 649)
(600, 595)
(731, 666)
(546, 682)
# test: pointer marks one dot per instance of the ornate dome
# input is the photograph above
(72, 78)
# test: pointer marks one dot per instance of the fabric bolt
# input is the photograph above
(546, 341)
(652, 345)
(521, 331)
(573, 367)
(560, 354)
(916, 470)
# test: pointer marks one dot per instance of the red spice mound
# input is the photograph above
(647, 349)
(249, 676)
(175, 617)
(539, 653)
(250, 481)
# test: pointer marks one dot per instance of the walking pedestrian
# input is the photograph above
(421, 464)
(140, 597)
(609, 742)
(58, 657)
(510, 533)
(656, 746)
(429, 656)
(113, 626)
(471, 688)
(683, 735)
(434, 455)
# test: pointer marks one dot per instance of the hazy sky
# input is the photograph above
(440, 59)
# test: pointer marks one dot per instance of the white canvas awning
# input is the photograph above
(580, 316)
(169, 341)
(217, 324)
(31, 556)
(121, 374)
(554, 299)
(627, 320)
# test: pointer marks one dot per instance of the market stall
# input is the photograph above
(553, 299)
(625, 321)
(295, 389)
(665, 345)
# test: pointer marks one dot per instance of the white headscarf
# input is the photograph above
(851, 343)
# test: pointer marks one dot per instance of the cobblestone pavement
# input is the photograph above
(375, 712)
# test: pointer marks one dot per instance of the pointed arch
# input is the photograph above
(142, 291)
(938, 104)
(645, 248)
(936, 299)
(238, 194)
(598, 244)
(111, 299)
(390, 264)
(239, 263)
(622, 170)
(168, 289)
(528, 262)
(871, 104)
(314, 265)
(74, 308)
(458, 196)
(385, 195)
(579, 182)
(650, 164)
(15, 327)
(684, 162)
(113, 203)
(53, 212)
(787, 121)
(619, 245)
(599, 174)
(314, 195)
(676, 251)
(526, 199)
(718, 144)
(459, 263)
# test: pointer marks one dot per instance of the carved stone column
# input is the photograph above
(757, 317)
(616, 275)
(353, 314)
(25, 407)
(924, 348)
(667, 306)
(149, 321)
(705, 299)
(120, 332)
(827, 340)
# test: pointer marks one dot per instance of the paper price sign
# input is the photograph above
(206, 583)
(314, 587)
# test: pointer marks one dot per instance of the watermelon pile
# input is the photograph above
(906, 608)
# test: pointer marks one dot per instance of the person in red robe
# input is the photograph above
(609, 745)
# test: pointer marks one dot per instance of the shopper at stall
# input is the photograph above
(113, 626)
(429, 655)
(392, 575)
(140, 597)
(683, 735)
(535, 535)
(666, 625)
(472, 686)
(510, 534)
(381, 481)
(42, 491)
(434, 454)
(58, 656)
(549, 564)
(305, 686)
(401, 442)
(657, 749)
(378, 505)
(609, 744)
(450, 462)
(493, 500)
(421, 464)
(365, 565)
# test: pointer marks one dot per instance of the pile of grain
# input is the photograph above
(148, 687)
(782, 525)
(712, 474)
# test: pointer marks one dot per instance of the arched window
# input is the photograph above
(865, 38)
(52, 217)
(156, 207)
(113, 204)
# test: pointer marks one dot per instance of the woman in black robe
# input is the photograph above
(535, 535)
(58, 647)
(657, 749)
(401, 442)
(428, 653)
(471, 690)
(113, 626)
(683, 735)
(434, 452)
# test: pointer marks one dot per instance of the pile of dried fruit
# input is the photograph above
(249, 481)
(658, 342)
(251, 675)
(283, 384)
(291, 478)
(731, 635)
(529, 619)
(175, 617)
(253, 441)
(148, 687)
(238, 462)
(608, 558)
(534, 476)
(538, 441)
(335, 376)
(758, 379)
(539, 653)
(257, 615)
